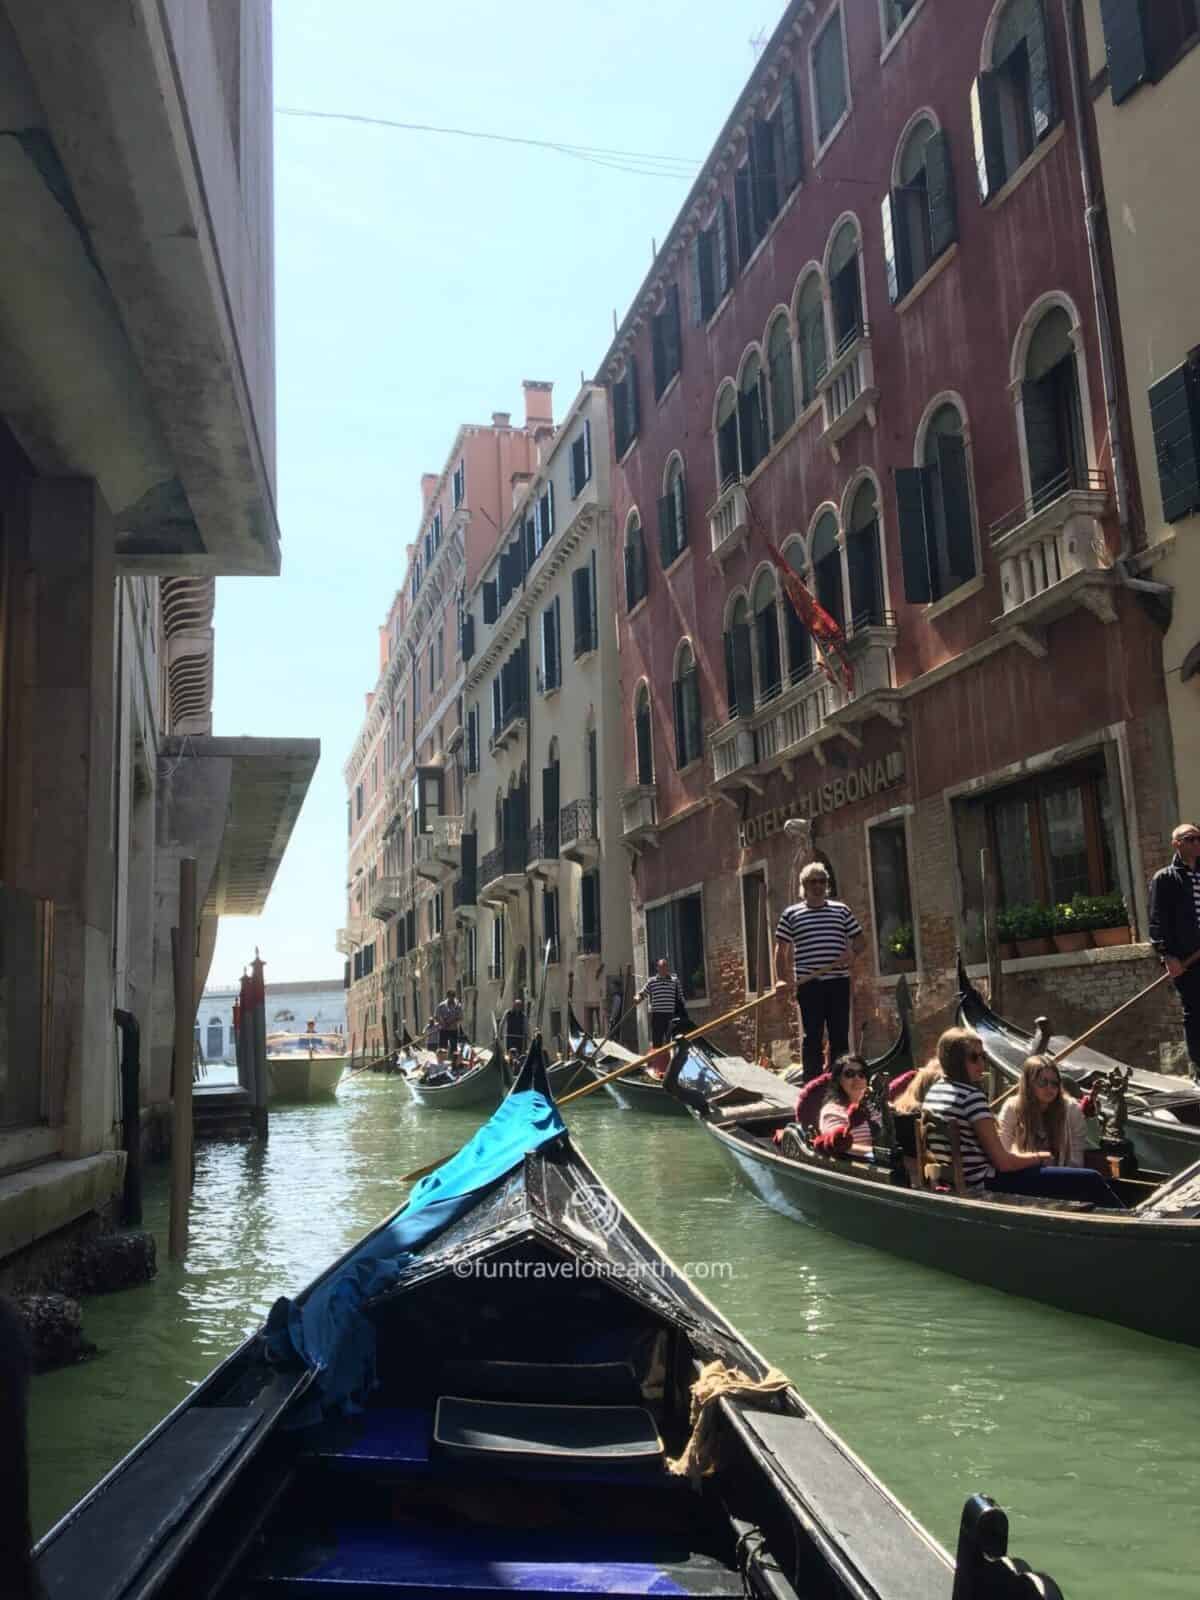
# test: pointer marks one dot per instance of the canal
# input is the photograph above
(1086, 1433)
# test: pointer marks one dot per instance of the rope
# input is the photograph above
(699, 1458)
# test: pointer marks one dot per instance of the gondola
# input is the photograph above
(478, 1085)
(638, 1091)
(524, 1357)
(1164, 1111)
(565, 1075)
(1139, 1267)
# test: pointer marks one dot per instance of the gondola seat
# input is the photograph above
(502, 1429)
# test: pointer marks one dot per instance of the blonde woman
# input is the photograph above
(918, 1086)
(1039, 1116)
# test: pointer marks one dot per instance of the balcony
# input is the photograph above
(588, 943)
(639, 815)
(577, 835)
(793, 722)
(847, 388)
(729, 521)
(1053, 555)
(463, 899)
(542, 853)
(351, 936)
(447, 840)
(386, 896)
(870, 650)
(502, 871)
(510, 729)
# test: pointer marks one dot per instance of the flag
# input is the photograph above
(826, 632)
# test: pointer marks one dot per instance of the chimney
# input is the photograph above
(429, 482)
(539, 403)
(520, 482)
(501, 419)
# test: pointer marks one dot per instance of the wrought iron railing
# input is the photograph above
(577, 822)
(543, 841)
(1068, 481)
(508, 857)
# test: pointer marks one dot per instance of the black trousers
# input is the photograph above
(660, 1028)
(1188, 989)
(824, 1007)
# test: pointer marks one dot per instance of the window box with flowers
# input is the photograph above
(902, 951)
(1106, 918)
(1032, 929)
(1071, 932)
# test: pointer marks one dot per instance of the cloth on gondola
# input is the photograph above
(699, 1458)
(329, 1329)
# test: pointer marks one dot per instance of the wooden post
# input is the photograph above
(183, 954)
(991, 930)
(258, 1023)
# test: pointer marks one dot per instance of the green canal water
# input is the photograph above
(1087, 1434)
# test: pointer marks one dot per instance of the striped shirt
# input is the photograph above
(1196, 893)
(819, 936)
(965, 1104)
(664, 993)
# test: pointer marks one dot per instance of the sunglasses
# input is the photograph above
(1188, 838)
(853, 1072)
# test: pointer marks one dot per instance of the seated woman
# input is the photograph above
(913, 1097)
(1039, 1116)
(987, 1164)
(843, 1106)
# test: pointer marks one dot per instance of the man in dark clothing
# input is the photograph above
(514, 1027)
(1175, 929)
(16, 1565)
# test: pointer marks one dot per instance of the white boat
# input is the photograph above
(304, 1066)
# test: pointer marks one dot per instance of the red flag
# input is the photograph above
(825, 630)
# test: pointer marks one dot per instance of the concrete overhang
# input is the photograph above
(267, 782)
(136, 321)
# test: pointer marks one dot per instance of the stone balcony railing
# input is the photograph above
(639, 814)
(447, 840)
(729, 521)
(386, 896)
(1052, 551)
(352, 935)
(847, 387)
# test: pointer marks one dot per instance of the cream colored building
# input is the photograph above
(1145, 82)
(544, 745)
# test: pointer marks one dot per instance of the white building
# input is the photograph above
(290, 1009)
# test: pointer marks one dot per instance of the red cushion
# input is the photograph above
(810, 1101)
(898, 1085)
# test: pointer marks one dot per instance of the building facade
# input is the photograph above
(405, 774)
(136, 467)
(544, 747)
(872, 337)
(290, 1009)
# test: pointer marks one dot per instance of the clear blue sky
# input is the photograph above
(419, 278)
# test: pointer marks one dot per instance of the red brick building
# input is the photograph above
(873, 334)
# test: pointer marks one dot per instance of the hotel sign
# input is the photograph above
(869, 779)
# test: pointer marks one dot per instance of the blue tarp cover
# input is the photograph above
(328, 1328)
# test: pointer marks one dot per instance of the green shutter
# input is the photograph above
(1126, 44)
(631, 381)
(956, 507)
(1041, 71)
(730, 691)
(985, 131)
(912, 487)
(674, 333)
(490, 611)
(658, 351)
(724, 251)
(1175, 418)
(743, 669)
(789, 124)
(696, 280)
(939, 177)
(690, 695)
(743, 211)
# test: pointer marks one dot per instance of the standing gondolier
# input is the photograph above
(824, 936)
(666, 1001)
(1175, 929)
(514, 1027)
(448, 1017)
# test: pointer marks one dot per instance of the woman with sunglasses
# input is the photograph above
(843, 1107)
(1039, 1116)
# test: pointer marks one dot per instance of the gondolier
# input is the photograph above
(448, 1017)
(824, 936)
(514, 1027)
(1175, 929)
(665, 993)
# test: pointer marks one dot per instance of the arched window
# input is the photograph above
(1052, 413)
(810, 336)
(845, 287)
(214, 1044)
(937, 530)
(726, 426)
(672, 515)
(642, 736)
(799, 640)
(919, 216)
(766, 635)
(635, 562)
(685, 692)
(827, 567)
(1014, 105)
(752, 415)
(739, 661)
(783, 388)
(862, 559)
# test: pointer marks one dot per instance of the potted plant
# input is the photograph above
(901, 948)
(1033, 926)
(1110, 924)
(1006, 932)
(1071, 927)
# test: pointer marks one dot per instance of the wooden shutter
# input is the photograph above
(956, 508)
(468, 636)
(730, 689)
(490, 609)
(1175, 419)
(690, 696)
(1043, 442)
(574, 482)
(912, 506)
(666, 537)
(548, 663)
(681, 528)
(743, 669)
(985, 132)
(727, 449)
(497, 712)
(724, 250)
(581, 606)
(1126, 44)
(622, 430)
(792, 152)
(631, 380)
(939, 177)
(548, 501)
(744, 212)
(677, 715)
(767, 628)
(696, 279)
(1042, 93)
(590, 903)
(469, 859)
(587, 449)
(674, 332)
(845, 293)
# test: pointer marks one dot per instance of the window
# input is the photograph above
(755, 932)
(845, 288)
(863, 561)
(589, 913)
(496, 971)
(1145, 41)
(1051, 412)
(894, 936)
(458, 490)
(581, 458)
(727, 436)
(214, 1044)
(739, 661)
(672, 515)
(829, 77)
(766, 636)
(643, 736)
(799, 640)
(1013, 105)
(550, 927)
(441, 652)
(544, 522)
(1175, 419)
(937, 532)
(583, 598)
(783, 388)
(635, 562)
(810, 336)
(711, 265)
(626, 418)
(471, 965)
(551, 672)
(676, 930)
(772, 169)
(919, 218)
(432, 665)
(435, 529)
(665, 340)
(894, 13)
(358, 801)
(473, 739)
(436, 913)
(752, 415)
(827, 567)
(685, 690)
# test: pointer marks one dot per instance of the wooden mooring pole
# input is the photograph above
(991, 929)
(183, 955)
